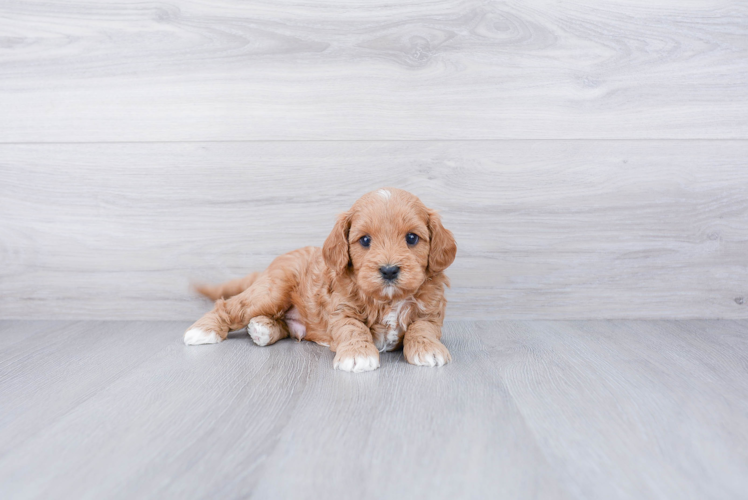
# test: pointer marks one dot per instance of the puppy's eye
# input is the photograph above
(365, 241)
(411, 239)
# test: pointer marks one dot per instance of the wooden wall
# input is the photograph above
(591, 158)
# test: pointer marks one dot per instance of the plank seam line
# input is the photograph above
(689, 139)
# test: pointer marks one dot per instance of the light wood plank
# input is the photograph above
(453, 69)
(528, 409)
(48, 368)
(545, 229)
(13, 333)
(187, 423)
(405, 432)
(206, 422)
(632, 409)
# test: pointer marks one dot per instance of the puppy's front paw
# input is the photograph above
(197, 336)
(422, 351)
(356, 357)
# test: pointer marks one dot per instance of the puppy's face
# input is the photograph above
(391, 241)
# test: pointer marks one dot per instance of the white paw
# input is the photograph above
(429, 359)
(197, 336)
(260, 333)
(357, 364)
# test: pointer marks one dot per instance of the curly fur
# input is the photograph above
(336, 296)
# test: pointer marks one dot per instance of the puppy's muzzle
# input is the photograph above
(389, 273)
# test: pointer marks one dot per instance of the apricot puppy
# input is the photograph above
(377, 284)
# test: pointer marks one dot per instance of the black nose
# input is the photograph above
(389, 272)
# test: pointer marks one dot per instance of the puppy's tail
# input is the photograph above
(228, 289)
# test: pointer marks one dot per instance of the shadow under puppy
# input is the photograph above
(377, 284)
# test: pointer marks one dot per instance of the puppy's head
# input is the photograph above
(391, 242)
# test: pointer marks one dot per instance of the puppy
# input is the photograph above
(376, 285)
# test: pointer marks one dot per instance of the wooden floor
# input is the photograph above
(588, 409)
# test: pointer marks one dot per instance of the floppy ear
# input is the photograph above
(443, 247)
(335, 249)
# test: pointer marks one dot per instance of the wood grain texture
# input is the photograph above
(150, 432)
(551, 410)
(545, 229)
(648, 376)
(458, 69)
(411, 434)
(53, 366)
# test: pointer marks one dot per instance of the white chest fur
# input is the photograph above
(395, 323)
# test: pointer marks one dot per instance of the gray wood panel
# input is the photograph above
(51, 367)
(648, 376)
(143, 429)
(457, 69)
(545, 229)
(453, 433)
(589, 409)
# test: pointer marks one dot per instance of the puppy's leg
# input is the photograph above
(353, 345)
(266, 331)
(422, 347)
(268, 296)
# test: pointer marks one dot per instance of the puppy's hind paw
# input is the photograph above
(260, 333)
(197, 336)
